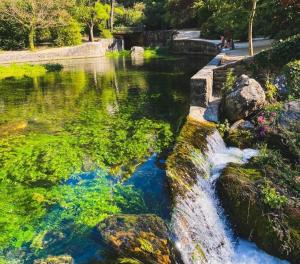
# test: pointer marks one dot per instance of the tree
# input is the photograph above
(112, 8)
(250, 28)
(35, 14)
(91, 13)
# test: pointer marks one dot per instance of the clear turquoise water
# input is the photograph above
(81, 144)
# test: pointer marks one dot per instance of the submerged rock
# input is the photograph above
(247, 97)
(65, 259)
(137, 51)
(275, 231)
(143, 238)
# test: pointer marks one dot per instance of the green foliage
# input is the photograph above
(12, 37)
(272, 198)
(68, 35)
(230, 81)
(271, 91)
(291, 72)
(105, 33)
(280, 170)
(281, 53)
(223, 127)
(131, 16)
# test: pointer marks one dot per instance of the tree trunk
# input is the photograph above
(112, 9)
(31, 39)
(91, 33)
(250, 28)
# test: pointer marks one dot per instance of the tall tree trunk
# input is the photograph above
(91, 33)
(31, 39)
(250, 27)
(112, 11)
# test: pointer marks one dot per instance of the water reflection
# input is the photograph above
(96, 115)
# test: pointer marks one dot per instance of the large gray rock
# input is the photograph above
(290, 118)
(246, 98)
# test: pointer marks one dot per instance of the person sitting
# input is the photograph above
(221, 45)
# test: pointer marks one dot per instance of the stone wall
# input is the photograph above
(87, 50)
(194, 47)
(158, 38)
(238, 68)
(202, 83)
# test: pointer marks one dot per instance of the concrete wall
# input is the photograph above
(87, 50)
(194, 47)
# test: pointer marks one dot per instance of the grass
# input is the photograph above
(26, 70)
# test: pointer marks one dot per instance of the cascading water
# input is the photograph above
(203, 236)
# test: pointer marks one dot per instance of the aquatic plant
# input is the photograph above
(26, 70)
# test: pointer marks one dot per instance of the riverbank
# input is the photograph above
(86, 50)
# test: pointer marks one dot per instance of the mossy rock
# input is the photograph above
(190, 147)
(275, 231)
(241, 138)
(64, 259)
(143, 238)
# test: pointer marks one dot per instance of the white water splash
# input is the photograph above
(198, 221)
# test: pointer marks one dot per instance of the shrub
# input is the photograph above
(223, 128)
(281, 53)
(228, 85)
(69, 35)
(271, 91)
(291, 71)
(105, 33)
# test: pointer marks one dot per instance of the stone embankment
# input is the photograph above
(87, 50)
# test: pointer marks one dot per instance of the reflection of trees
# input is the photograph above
(77, 106)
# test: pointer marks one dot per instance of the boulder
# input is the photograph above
(290, 118)
(241, 124)
(246, 98)
(137, 51)
(277, 231)
(64, 259)
(143, 238)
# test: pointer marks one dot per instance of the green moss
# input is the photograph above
(241, 138)
(239, 188)
(188, 152)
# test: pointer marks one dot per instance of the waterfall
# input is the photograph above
(198, 221)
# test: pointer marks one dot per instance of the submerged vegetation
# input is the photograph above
(26, 70)
(68, 141)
